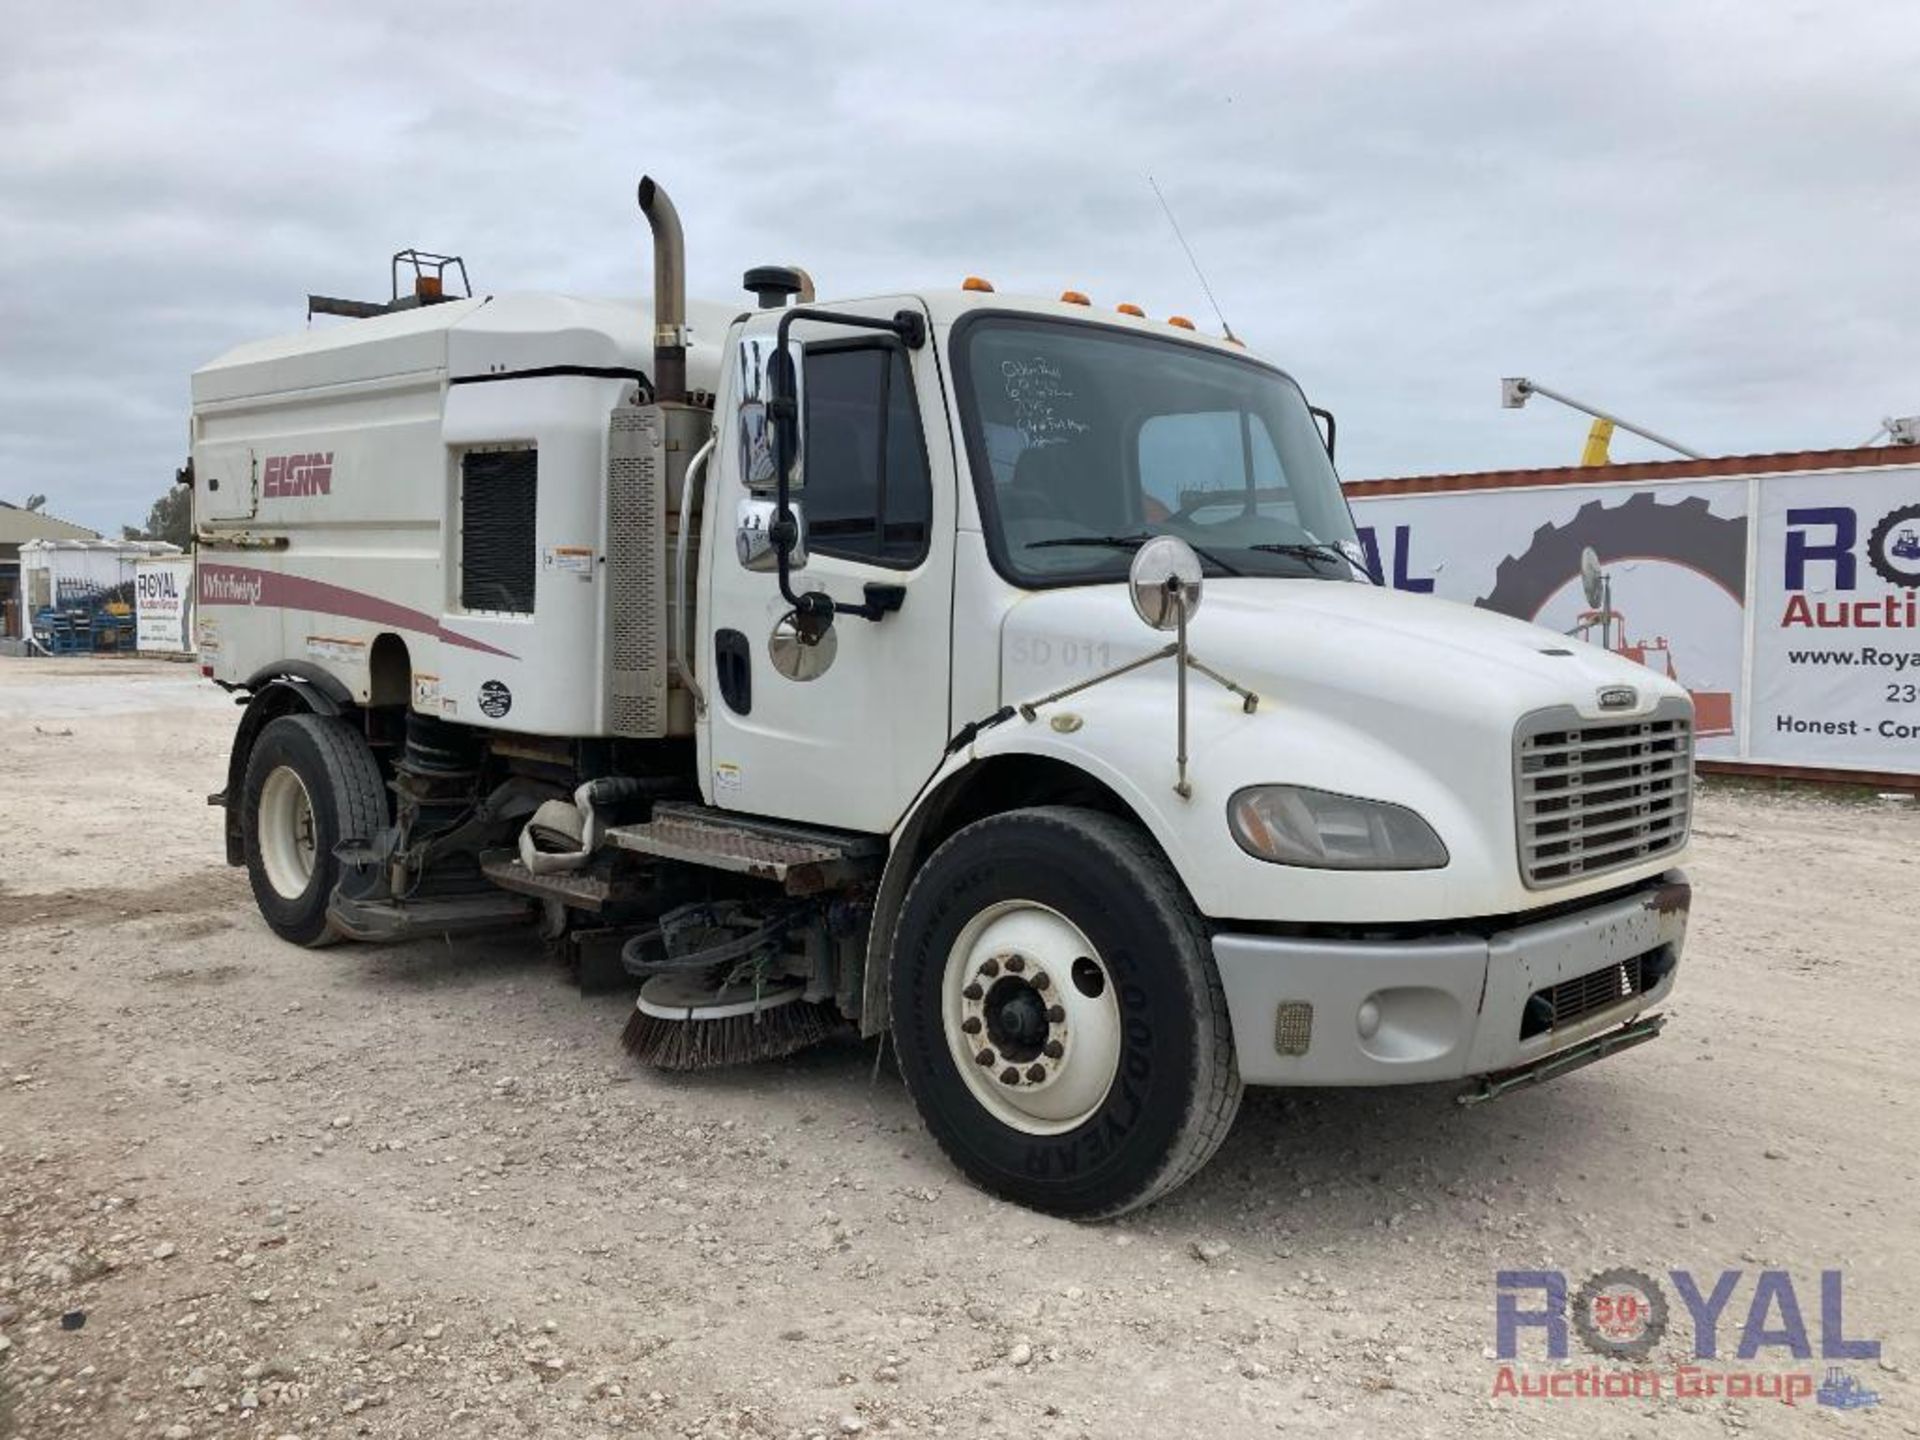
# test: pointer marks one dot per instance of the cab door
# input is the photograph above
(844, 732)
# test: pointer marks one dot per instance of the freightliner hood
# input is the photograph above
(1363, 691)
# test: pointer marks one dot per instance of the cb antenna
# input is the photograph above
(1192, 260)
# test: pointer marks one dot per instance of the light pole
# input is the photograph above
(1904, 430)
(1516, 390)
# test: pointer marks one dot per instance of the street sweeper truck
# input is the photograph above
(996, 674)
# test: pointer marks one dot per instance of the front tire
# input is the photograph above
(312, 781)
(1057, 1013)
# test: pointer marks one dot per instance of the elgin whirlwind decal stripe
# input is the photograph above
(242, 585)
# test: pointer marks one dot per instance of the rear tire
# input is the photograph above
(1057, 1014)
(312, 781)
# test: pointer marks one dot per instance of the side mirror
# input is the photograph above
(1164, 582)
(1329, 428)
(801, 652)
(770, 396)
(755, 533)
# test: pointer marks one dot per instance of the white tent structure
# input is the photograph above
(67, 572)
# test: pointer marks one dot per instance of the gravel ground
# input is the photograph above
(421, 1191)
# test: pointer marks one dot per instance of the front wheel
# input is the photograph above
(1057, 1013)
(312, 781)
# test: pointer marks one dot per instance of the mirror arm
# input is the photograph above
(814, 611)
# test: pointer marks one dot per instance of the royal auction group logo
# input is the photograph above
(1821, 556)
(1623, 1315)
(1893, 549)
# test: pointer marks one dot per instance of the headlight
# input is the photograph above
(1292, 825)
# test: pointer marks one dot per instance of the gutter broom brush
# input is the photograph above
(680, 1023)
(706, 1000)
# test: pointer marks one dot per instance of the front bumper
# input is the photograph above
(1309, 1011)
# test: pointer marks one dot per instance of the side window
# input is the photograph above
(868, 495)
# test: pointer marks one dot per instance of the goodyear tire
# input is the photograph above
(1057, 1014)
(311, 781)
(1684, 533)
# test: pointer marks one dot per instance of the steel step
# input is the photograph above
(803, 859)
(576, 889)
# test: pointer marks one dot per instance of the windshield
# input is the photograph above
(1096, 440)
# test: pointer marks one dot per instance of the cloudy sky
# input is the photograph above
(1703, 215)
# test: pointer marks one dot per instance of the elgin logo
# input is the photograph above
(289, 475)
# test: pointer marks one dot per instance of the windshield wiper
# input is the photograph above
(1129, 542)
(1308, 550)
(1118, 542)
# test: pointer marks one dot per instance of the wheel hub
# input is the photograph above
(1016, 1018)
(285, 826)
(1039, 1052)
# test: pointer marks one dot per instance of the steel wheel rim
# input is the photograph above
(285, 830)
(1032, 1018)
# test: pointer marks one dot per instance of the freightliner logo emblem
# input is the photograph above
(1619, 697)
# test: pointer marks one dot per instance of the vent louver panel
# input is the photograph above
(498, 497)
(636, 572)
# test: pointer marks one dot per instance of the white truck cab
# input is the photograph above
(994, 672)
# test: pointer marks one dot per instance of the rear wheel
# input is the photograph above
(312, 781)
(1057, 1013)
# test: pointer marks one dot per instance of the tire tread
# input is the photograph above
(1215, 1095)
(352, 776)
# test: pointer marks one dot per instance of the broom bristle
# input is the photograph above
(733, 1040)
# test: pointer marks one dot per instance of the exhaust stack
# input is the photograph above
(669, 293)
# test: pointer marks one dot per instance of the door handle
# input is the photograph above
(733, 669)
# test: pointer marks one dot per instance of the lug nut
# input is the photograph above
(990, 969)
(1036, 1073)
(1016, 963)
(1054, 1050)
(986, 1057)
(971, 1025)
(1009, 1076)
(973, 992)
(1040, 981)
(1056, 1013)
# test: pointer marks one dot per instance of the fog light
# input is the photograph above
(1292, 1027)
(1369, 1018)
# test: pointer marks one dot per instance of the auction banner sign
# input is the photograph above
(162, 606)
(1783, 592)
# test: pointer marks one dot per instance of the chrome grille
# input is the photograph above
(1599, 795)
